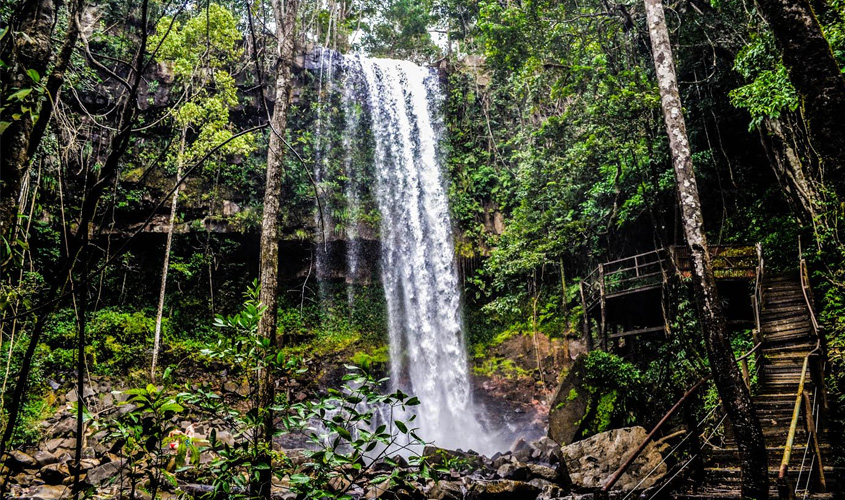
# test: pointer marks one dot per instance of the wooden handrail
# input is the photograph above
(811, 428)
(784, 487)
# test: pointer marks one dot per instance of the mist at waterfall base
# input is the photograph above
(391, 109)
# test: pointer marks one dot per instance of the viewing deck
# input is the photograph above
(629, 293)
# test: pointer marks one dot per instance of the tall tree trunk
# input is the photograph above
(736, 399)
(816, 76)
(30, 50)
(166, 264)
(285, 14)
(27, 50)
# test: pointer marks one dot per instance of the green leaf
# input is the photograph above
(401, 426)
(33, 75)
(20, 95)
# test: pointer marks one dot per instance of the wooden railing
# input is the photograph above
(757, 301)
(649, 269)
(728, 261)
(813, 367)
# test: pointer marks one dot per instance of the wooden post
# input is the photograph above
(745, 375)
(603, 306)
(811, 428)
(588, 337)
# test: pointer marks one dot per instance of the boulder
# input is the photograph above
(503, 490)
(513, 471)
(446, 490)
(43, 458)
(49, 492)
(545, 450)
(20, 460)
(570, 405)
(557, 475)
(54, 473)
(101, 474)
(592, 461)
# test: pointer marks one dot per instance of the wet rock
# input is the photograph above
(20, 460)
(569, 405)
(43, 458)
(591, 461)
(516, 472)
(102, 473)
(54, 473)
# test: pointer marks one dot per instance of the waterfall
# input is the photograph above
(427, 348)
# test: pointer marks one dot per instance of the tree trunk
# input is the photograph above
(736, 399)
(285, 14)
(32, 51)
(816, 76)
(166, 264)
(27, 50)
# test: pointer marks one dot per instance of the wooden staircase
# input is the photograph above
(787, 336)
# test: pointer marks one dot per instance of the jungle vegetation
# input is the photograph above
(155, 161)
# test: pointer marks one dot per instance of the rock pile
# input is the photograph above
(530, 470)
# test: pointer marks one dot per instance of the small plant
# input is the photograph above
(145, 435)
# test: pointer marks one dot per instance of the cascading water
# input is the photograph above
(391, 135)
(427, 350)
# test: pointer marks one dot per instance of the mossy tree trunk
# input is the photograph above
(28, 47)
(736, 398)
(285, 14)
(816, 76)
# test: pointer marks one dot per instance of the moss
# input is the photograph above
(497, 365)
(377, 356)
(604, 411)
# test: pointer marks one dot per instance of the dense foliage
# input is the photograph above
(556, 156)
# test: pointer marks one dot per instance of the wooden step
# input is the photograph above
(766, 326)
(774, 453)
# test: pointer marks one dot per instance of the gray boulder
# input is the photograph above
(20, 460)
(592, 461)
(101, 474)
